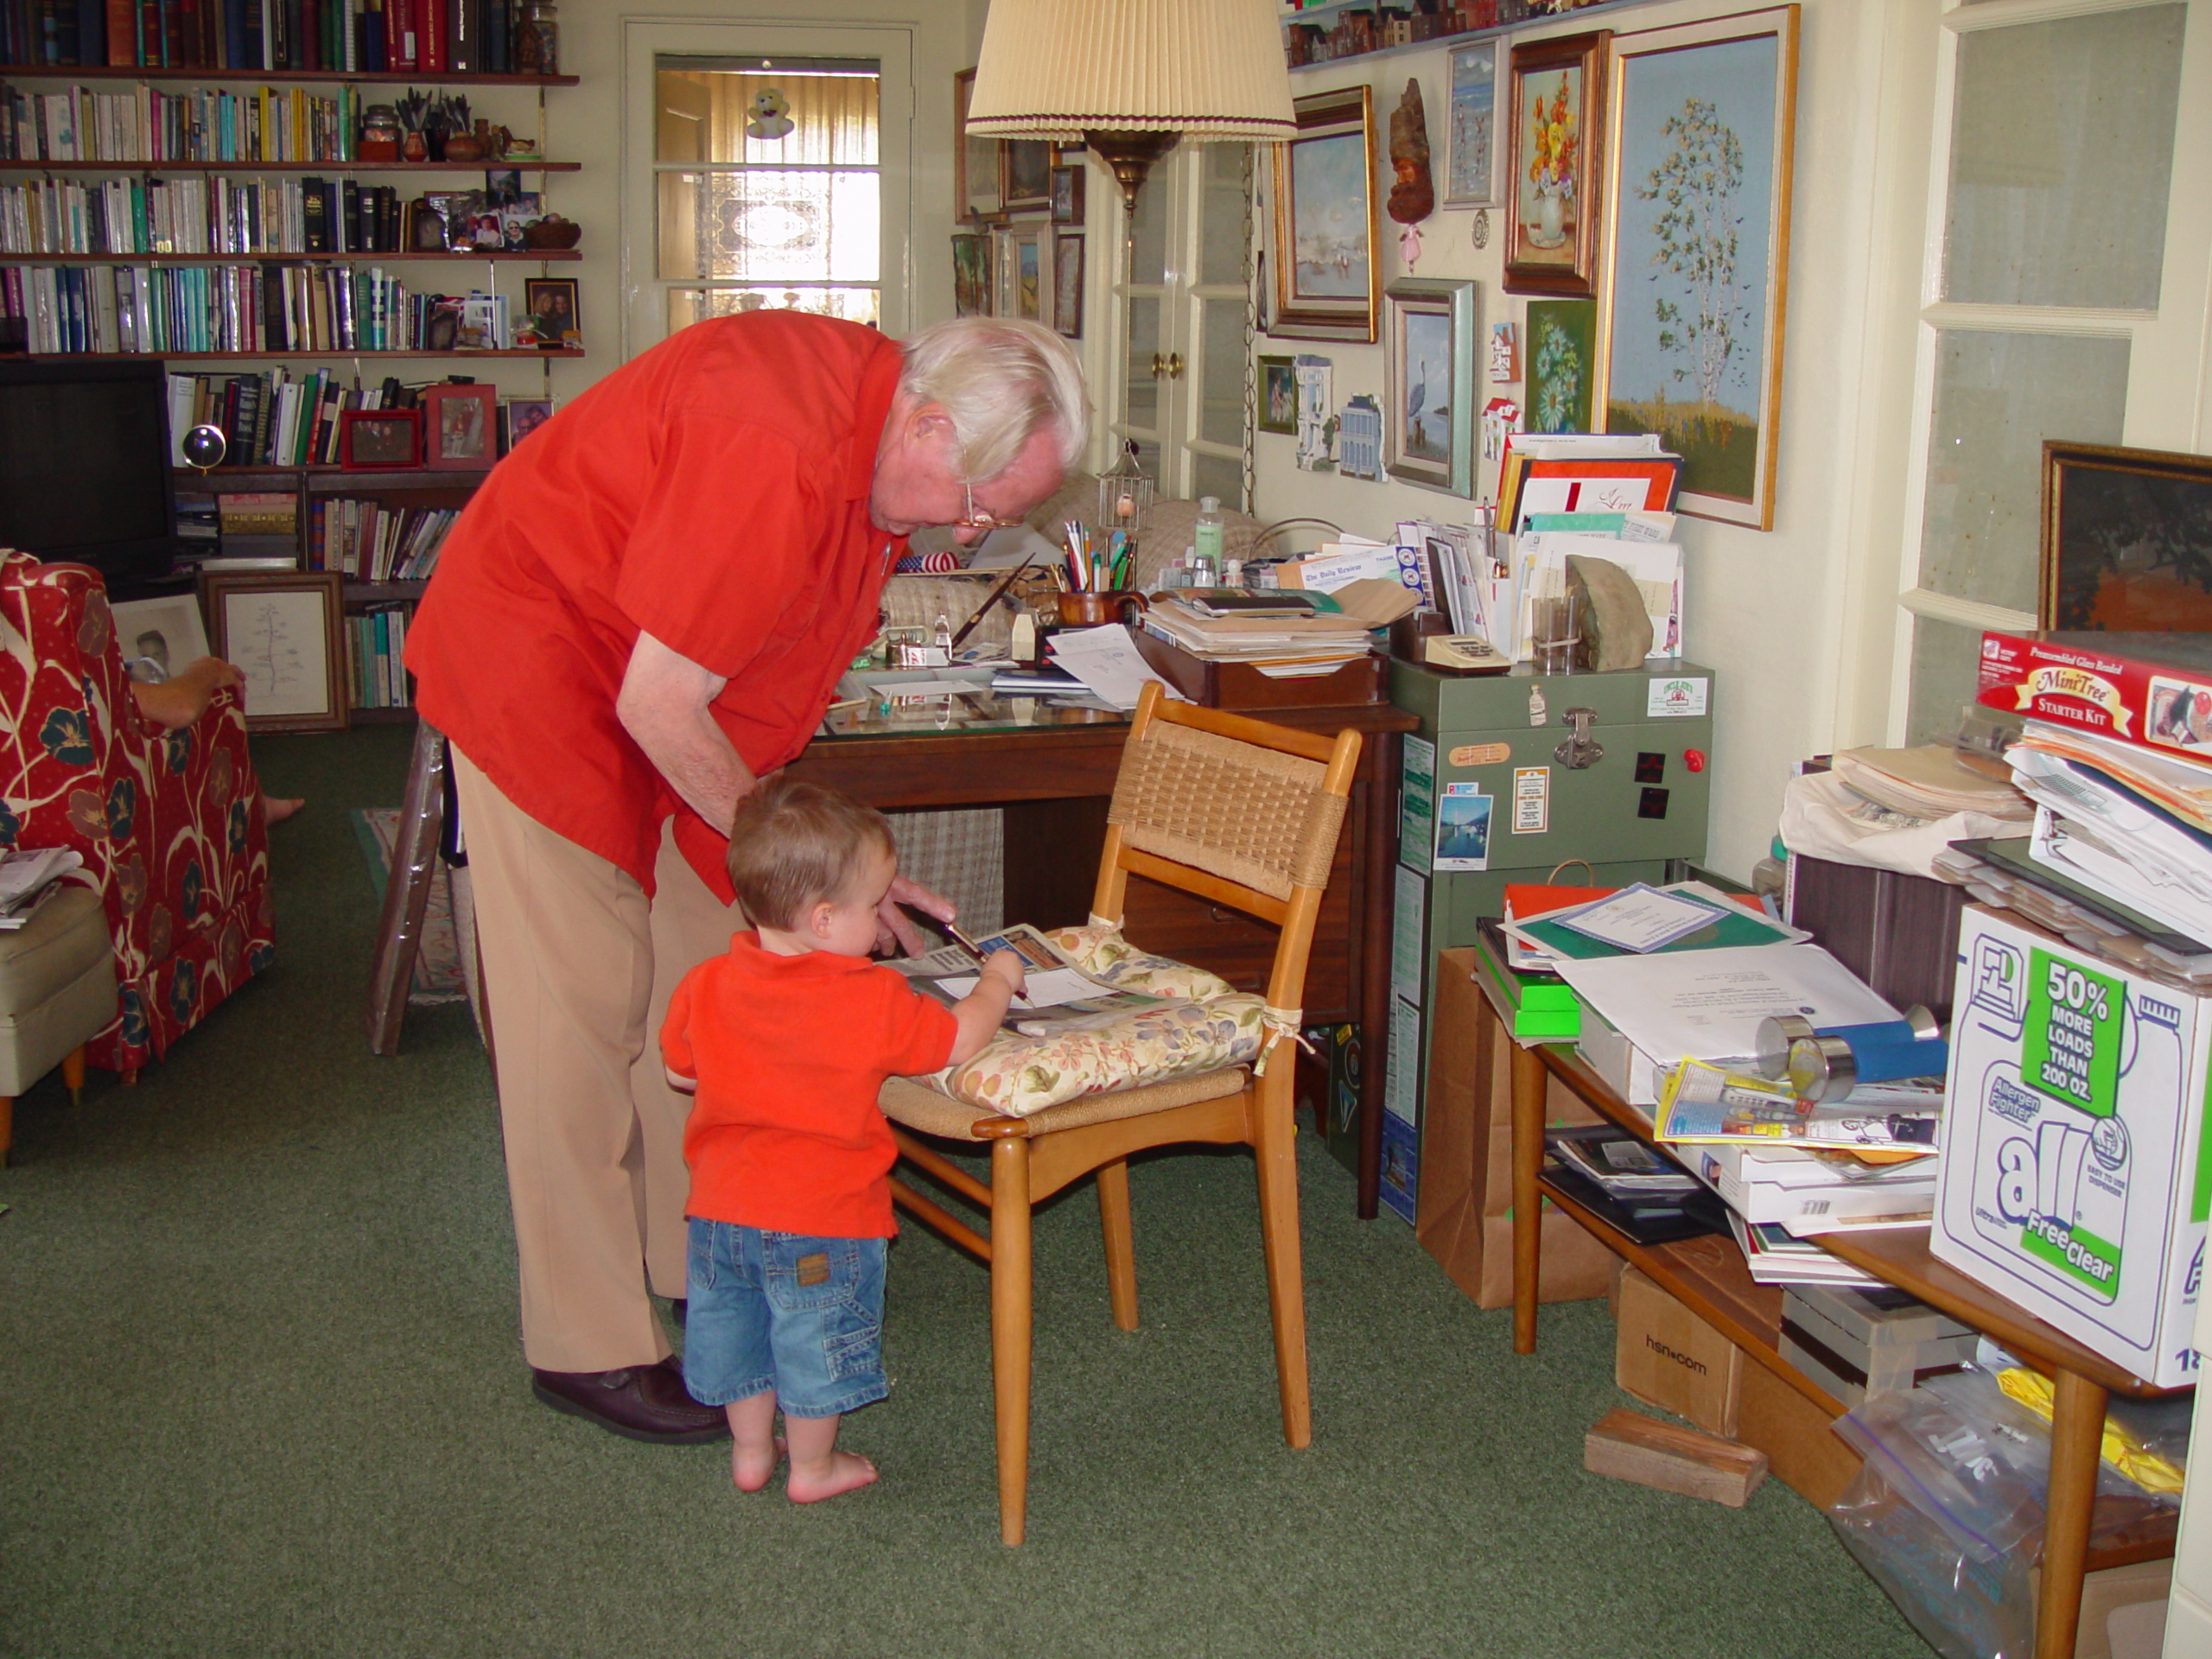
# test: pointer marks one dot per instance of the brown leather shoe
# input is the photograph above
(641, 1402)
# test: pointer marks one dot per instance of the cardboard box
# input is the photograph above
(1802, 1451)
(1466, 1154)
(1667, 1357)
(2070, 1179)
(2143, 688)
(2100, 1635)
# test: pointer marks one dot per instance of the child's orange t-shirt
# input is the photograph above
(789, 1052)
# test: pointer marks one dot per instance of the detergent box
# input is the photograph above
(2075, 1177)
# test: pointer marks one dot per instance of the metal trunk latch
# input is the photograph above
(1580, 750)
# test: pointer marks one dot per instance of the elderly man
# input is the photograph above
(642, 611)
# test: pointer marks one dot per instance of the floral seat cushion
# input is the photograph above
(1210, 1027)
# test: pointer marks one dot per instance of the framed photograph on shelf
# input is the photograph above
(380, 440)
(1470, 153)
(978, 190)
(1028, 175)
(164, 633)
(1698, 134)
(971, 275)
(1275, 395)
(1556, 110)
(1068, 194)
(1428, 426)
(283, 631)
(458, 426)
(552, 301)
(2126, 540)
(1022, 270)
(1325, 259)
(522, 416)
(1067, 283)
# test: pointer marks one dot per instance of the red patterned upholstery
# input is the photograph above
(168, 822)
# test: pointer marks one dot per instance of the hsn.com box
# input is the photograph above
(2074, 1179)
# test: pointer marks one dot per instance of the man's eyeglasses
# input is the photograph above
(976, 518)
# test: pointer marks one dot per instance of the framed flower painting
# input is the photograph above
(1557, 103)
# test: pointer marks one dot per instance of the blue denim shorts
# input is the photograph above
(802, 1316)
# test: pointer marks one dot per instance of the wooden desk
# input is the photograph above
(1052, 779)
(1053, 782)
(1717, 1286)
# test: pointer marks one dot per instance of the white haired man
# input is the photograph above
(642, 611)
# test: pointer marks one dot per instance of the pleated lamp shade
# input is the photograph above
(1130, 77)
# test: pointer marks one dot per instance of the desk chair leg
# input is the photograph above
(1010, 1328)
(73, 1075)
(1121, 1242)
(1276, 1149)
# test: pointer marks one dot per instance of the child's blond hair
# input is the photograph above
(795, 845)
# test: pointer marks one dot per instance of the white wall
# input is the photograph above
(1770, 611)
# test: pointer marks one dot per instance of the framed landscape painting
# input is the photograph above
(1552, 211)
(1325, 278)
(2126, 540)
(1428, 429)
(1471, 158)
(1697, 242)
(978, 189)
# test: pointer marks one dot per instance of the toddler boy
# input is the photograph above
(788, 1040)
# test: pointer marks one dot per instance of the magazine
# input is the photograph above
(1705, 1104)
(1056, 997)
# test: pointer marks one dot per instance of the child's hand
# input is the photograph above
(1008, 965)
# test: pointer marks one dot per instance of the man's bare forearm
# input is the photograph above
(663, 705)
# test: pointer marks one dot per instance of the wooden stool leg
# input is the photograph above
(73, 1075)
(1121, 1242)
(1276, 1150)
(1010, 1328)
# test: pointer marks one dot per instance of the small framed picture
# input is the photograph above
(160, 636)
(1277, 395)
(380, 440)
(1023, 254)
(425, 224)
(524, 417)
(1430, 436)
(1470, 164)
(457, 423)
(971, 275)
(1029, 164)
(1067, 194)
(978, 185)
(282, 630)
(552, 301)
(1067, 283)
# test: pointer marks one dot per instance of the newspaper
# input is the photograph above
(1056, 997)
(1705, 1104)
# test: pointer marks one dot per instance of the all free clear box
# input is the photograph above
(2074, 1176)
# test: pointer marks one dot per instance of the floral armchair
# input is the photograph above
(169, 824)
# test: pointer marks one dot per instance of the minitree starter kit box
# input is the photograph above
(2074, 1177)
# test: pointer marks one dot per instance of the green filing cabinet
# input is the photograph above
(1499, 788)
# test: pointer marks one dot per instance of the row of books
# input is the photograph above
(146, 215)
(278, 419)
(373, 541)
(141, 123)
(376, 641)
(342, 36)
(270, 307)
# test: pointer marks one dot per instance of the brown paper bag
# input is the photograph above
(1465, 1206)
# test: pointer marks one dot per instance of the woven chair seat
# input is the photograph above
(927, 1111)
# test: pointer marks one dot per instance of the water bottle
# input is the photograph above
(1206, 543)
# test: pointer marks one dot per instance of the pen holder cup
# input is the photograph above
(1090, 610)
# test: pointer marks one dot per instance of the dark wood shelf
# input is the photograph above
(485, 166)
(294, 357)
(384, 593)
(380, 716)
(526, 256)
(206, 77)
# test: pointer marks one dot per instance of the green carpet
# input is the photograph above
(261, 1394)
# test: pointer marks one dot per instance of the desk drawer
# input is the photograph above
(1170, 923)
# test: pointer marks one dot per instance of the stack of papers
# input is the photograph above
(1776, 1256)
(2095, 827)
(1281, 646)
(1929, 783)
(1107, 660)
(28, 877)
(1637, 920)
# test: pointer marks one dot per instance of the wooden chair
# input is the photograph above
(1239, 813)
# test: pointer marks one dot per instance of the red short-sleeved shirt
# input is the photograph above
(789, 1052)
(713, 493)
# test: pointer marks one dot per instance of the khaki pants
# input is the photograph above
(578, 970)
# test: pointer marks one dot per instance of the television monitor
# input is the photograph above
(85, 466)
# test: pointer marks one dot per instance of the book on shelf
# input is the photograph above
(1774, 1256)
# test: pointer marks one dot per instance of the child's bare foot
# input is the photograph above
(750, 1467)
(274, 810)
(845, 1471)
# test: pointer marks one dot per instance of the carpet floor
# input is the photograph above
(261, 1393)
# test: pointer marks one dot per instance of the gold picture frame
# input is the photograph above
(1555, 129)
(1327, 281)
